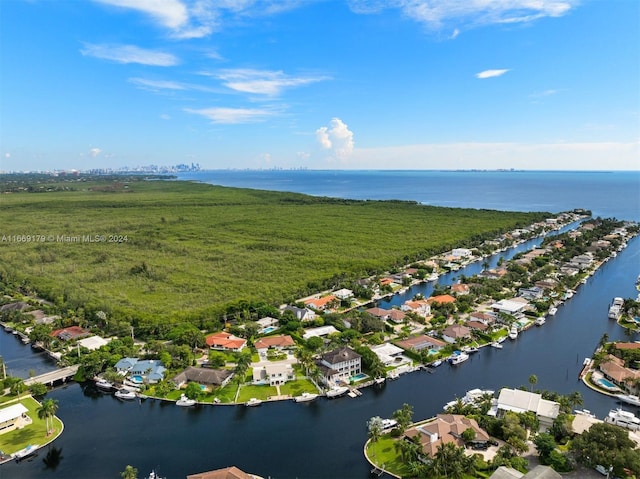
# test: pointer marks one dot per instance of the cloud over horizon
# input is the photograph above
(337, 138)
(491, 73)
(129, 54)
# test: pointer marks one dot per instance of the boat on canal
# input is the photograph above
(496, 345)
(184, 401)
(513, 332)
(104, 384)
(615, 310)
(540, 321)
(552, 311)
(337, 391)
(253, 402)
(305, 397)
(458, 357)
(125, 394)
(622, 418)
(629, 399)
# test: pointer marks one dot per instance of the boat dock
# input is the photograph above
(586, 365)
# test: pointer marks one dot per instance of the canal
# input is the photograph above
(325, 438)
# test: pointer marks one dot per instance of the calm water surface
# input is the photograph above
(325, 439)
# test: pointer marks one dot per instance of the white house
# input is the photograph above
(388, 353)
(520, 401)
(273, 374)
(510, 306)
(421, 307)
(11, 416)
(319, 332)
(343, 294)
(302, 314)
(461, 252)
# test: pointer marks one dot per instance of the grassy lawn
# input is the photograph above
(297, 387)
(384, 453)
(35, 433)
(260, 392)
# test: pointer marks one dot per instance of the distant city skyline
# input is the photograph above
(320, 84)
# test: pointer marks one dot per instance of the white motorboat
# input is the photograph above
(253, 402)
(305, 397)
(432, 277)
(458, 357)
(104, 384)
(615, 310)
(540, 321)
(185, 401)
(502, 339)
(388, 424)
(552, 311)
(470, 349)
(380, 380)
(496, 345)
(337, 391)
(513, 333)
(436, 363)
(623, 418)
(125, 394)
(629, 399)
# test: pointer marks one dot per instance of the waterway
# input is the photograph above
(323, 439)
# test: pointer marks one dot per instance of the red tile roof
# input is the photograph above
(280, 341)
(225, 340)
(443, 298)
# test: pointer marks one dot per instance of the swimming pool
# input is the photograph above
(359, 377)
(268, 329)
(137, 379)
(605, 383)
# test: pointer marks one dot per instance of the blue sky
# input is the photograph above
(377, 84)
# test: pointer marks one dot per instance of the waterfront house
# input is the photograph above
(224, 341)
(125, 365)
(533, 293)
(273, 374)
(519, 401)
(226, 473)
(615, 371)
(151, 371)
(280, 342)
(301, 314)
(388, 353)
(455, 332)
(12, 417)
(340, 365)
(461, 252)
(203, 376)
(477, 325)
(418, 343)
(93, 342)
(445, 428)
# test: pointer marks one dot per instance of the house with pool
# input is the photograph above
(340, 366)
(140, 371)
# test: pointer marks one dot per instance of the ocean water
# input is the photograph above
(606, 194)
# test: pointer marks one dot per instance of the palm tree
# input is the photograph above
(533, 380)
(305, 358)
(404, 416)
(129, 472)
(47, 411)
(374, 426)
(575, 399)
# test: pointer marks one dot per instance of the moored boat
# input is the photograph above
(388, 424)
(380, 380)
(513, 332)
(125, 394)
(623, 418)
(458, 357)
(253, 402)
(305, 397)
(496, 345)
(553, 310)
(540, 321)
(104, 384)
(184, 401)
(436, 363)
(337, 391)
(629, 399)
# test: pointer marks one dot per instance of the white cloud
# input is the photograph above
(129, 54)
(170, 13)
(94, 152)
(491, 73)
(262, 82)
(439, 14)
(156, 85)
(336, 137)
(232, 115)
(7, 155)
(164, 116)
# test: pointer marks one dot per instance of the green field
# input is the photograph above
(189, 251)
